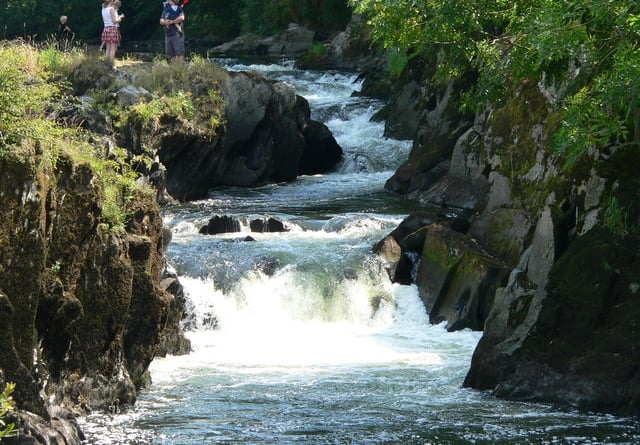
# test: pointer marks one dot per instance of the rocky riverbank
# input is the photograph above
(87, 304)
(542, 258)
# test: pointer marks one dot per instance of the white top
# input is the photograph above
(106, 16)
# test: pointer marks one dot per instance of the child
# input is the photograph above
(111, 32)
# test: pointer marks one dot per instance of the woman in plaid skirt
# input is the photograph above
(111, 32)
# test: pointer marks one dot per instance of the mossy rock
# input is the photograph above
(583, 349)
(456, 279)
(91, 73)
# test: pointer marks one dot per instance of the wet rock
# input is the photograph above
(401, 249)
(267, 136)
(269, 224)
(34, 430)
(441, 124)
(321, 151)
(221, 224)
(575, 343)
(457, 279)
(81, 331)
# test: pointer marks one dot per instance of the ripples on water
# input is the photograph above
(318, 347)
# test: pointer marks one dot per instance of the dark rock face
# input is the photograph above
(322, 153)
(81, 306)
(269, 224)
(402, 245)
(268, 136)
(551, 270)
(576, 343)
(439, 125)
(231, 224)
(221, 224)
(61, 429)
(456, 278)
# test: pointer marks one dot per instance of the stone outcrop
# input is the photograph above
(81, 305)
(456, 278)
(547, 260)
(574, 342)
(436, 128)
(292, 42)
(268, 136)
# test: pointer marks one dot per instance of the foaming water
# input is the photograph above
(279, 323)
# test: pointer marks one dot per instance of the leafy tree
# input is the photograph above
(206, 19)
(589, 49)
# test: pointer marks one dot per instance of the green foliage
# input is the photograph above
(396, 61)
(148, 114)
(7, 405)
(266, 17)
(217, 19)
(191, 92)
(205, 19)
(587, 51)
(55, 61)
(317, 49)
(25, 97)
(119, 182)
(30, 92)
(617, 218)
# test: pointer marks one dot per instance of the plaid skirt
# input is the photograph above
(111, 34)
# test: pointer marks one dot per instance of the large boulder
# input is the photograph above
(221, 224)
(293, 41)
(267, 136)
(321, 152)
(457, 279)
(577, 342)
(400, 250)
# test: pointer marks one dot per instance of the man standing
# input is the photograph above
(64, 35)
(172, 19)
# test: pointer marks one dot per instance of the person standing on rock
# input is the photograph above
(172, 19)
(111, 31)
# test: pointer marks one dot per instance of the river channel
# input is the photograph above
(299, 337)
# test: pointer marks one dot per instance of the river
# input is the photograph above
(299, 337)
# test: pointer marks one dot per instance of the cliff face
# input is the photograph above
(87, 306)
(82, 307)
(551, 272)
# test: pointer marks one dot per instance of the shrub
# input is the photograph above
(31, 91)
(7, 405)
